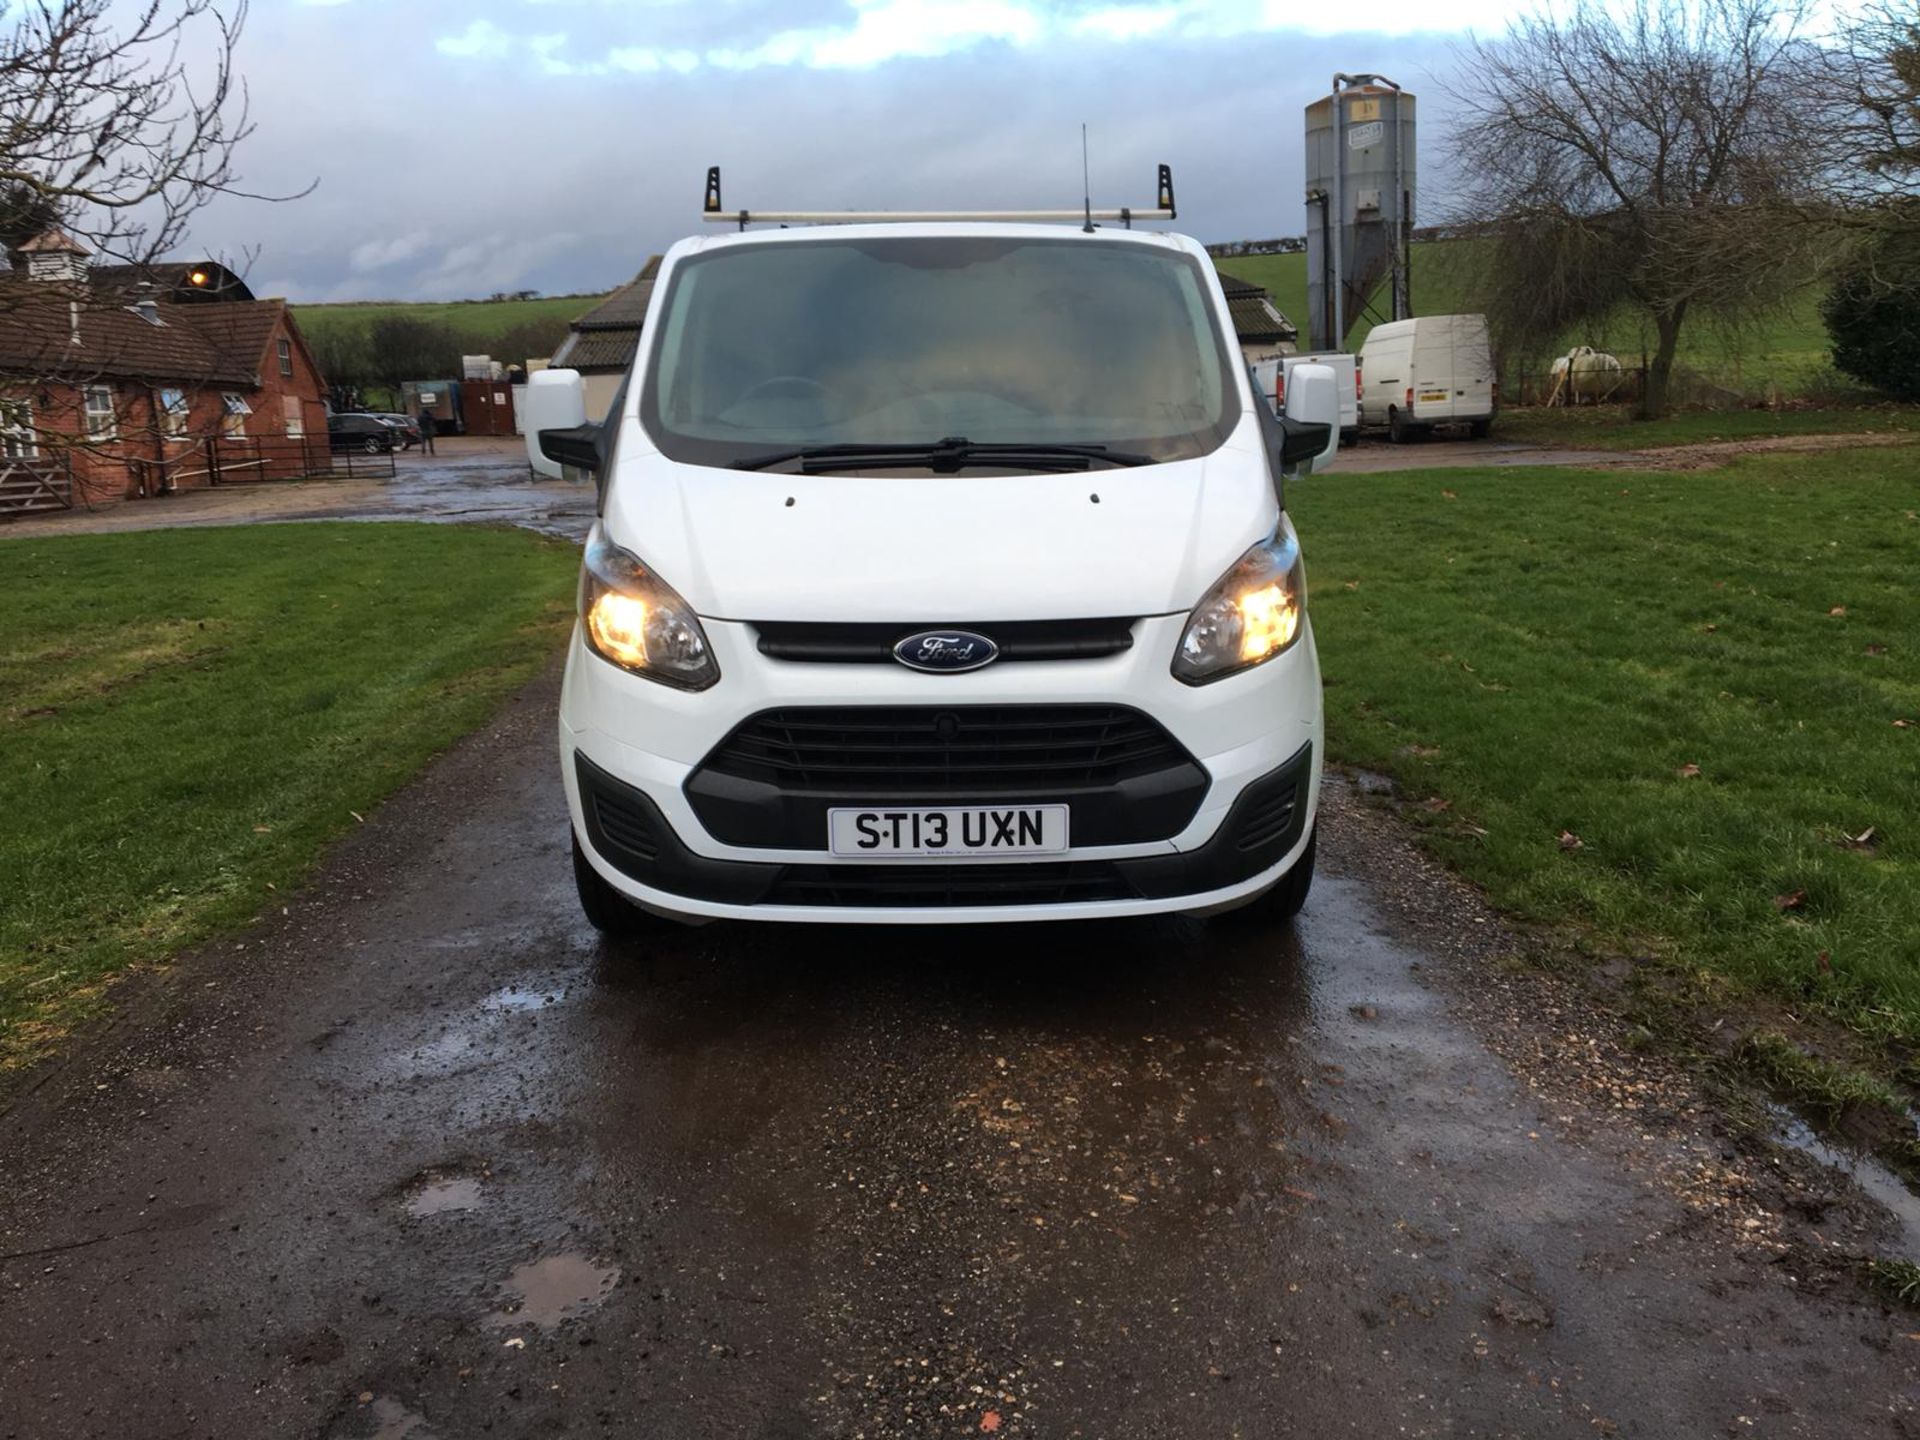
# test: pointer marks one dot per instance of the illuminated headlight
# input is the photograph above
(636, 620)
(1256, 611)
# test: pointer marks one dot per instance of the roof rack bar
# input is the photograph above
(712, 210)
(882, 217)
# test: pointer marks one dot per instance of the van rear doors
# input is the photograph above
(1452, 373)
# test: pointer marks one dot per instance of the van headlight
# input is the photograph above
(637, 621)
(1256, 611)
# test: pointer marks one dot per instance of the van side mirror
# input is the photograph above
(1310, 424)
(556, 402)
(574, 449)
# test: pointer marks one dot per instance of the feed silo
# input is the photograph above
(1360, 183)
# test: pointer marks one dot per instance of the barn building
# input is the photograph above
(602, 342)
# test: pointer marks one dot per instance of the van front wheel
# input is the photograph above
(606, 909)
(1284, 900)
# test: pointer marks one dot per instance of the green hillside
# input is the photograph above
(1789, 350)
(474, 319)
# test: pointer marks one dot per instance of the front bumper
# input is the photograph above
(628, 747)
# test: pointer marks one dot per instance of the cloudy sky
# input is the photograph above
(554, 144)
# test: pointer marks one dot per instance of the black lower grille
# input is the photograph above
(873, 886)
(864, 643)
(771, 782)
(939, 750)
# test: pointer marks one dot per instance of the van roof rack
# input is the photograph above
(713, 210)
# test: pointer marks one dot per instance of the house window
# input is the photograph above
(172, 405)
(101, 423)
(285, 347)
(234, 410)
(16, 430)
(290, 408)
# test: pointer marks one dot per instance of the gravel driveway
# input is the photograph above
(419, 1156)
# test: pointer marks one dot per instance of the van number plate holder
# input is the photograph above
(945, 832)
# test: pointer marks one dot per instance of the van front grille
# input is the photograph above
(1008, 750)
(870, 644)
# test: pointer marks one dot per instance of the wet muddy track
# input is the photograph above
(421, 1157)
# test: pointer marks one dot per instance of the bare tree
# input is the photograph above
(1872, 134)
(119, 121)
(1633, 157)
(1876, 130)
(406, 347)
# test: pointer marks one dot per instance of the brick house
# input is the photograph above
(126, 383)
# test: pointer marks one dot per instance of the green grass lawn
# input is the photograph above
(188, 716)
(1612, 427)
(1549, 653)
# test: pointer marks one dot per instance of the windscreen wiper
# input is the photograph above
(944, 457)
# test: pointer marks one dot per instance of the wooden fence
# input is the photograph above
(29, 486)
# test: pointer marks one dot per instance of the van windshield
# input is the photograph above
(912, 340)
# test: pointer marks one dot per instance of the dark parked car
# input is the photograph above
(405, 426)
(362, 432)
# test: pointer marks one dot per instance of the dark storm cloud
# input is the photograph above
(539, 163)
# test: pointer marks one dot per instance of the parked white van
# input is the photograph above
(1432, 370)
(1270, 378)
(942, 573)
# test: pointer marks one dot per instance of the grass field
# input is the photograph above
(1656, 706)
(1789, 350)
(188, 716)
(475, 319)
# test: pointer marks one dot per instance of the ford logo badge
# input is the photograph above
(945, 650)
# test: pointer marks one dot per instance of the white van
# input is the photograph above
(942, 573)
(1433, 370)
(1270, 378)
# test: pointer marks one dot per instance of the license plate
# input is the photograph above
(949, 830)
(1433, 394)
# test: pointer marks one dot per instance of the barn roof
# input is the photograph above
(606, 336)
(1256, 319)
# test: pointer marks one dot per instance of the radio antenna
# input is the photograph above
(1086, 178)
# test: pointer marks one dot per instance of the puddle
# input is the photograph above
(397, 1422)
(441, 1196)
(513, 1000)
(1869, 1174)
(561, 1287)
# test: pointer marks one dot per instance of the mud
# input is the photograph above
(1132, 1179)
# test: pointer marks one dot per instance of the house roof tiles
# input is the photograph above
(195, 344)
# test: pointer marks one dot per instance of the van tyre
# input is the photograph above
(1480, 429)
(1398, 431)
(607, 910)
(1284, 900)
